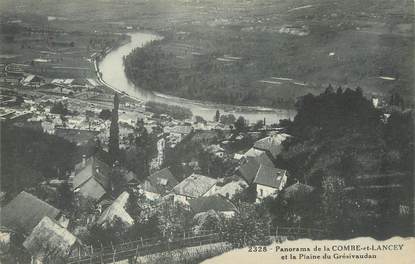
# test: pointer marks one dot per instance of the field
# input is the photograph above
(270, 57)
(237, 51)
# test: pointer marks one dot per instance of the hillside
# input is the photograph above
(360, 166)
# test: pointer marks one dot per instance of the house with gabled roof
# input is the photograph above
(249, 168)
(272, 144)
(25, 211)
(158, 184)
(192, 187)
(91, 178)
(216, 203)
(163, 180)
(130, 178)
(230, 186)
(50, 243)
(33, 81)
(117, 210)
(269, 181)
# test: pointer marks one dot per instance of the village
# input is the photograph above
(80, 111)
(93, 172)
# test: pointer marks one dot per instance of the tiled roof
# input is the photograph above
(130, 177)
(184, 130)
(194, 186)
(249, 169)
(48, 236)
(264, 160)
(117, 209)
(25, 211)
(92, 189)
(148, 187)
(163, 181)
(92, 178)
(271, 144)
(269, 176)
(216, 203)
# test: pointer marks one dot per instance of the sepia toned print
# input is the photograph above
(217, 131)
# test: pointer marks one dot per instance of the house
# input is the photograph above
(91, 178)
(238, 156)
(50, 243)
(260, 156)
(158, 184)
(25, 211)
(228, 187)
(253, 152)
(130, 178)
(149, 191)
(269, 181)
(249, 169)
(33, 81)
(217, 203)
(194, 186)
(177, 133)
(116, 210)
(271, 144)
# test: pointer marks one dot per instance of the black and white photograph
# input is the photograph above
(207, 131)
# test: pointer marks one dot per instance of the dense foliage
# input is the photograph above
(29, 157)
(358, 160)
(175, 111)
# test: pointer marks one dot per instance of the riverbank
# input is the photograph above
(110, 72)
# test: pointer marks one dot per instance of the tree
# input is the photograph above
(247, 227)
(65, 199)
(227, 119)
(200, 119)
(333, 203)
(105, 114)
(216, 118)
(59, 108)
(113, 144)
(240, 124)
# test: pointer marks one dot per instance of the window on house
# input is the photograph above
(261, 192)
(227, 195)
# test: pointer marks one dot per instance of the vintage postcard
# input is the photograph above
(207, 131)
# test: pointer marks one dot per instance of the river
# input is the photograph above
(112, 73)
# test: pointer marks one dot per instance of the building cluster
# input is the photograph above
(80, 111)
(92, 181)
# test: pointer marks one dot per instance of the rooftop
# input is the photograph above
(49, 237)
(163, 180)
(25, 211)
(194, 186)
(216, 203)
(117, 209)
(271, 143)
(269, 176)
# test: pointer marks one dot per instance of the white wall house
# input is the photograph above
(269, 181)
